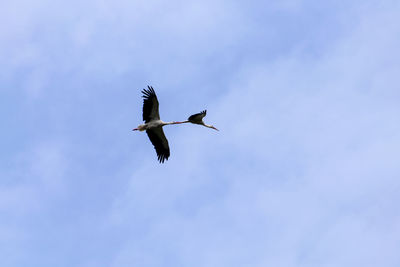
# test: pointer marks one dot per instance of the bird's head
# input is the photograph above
(141, 128)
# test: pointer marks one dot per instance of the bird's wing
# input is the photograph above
(150, 105)
(198, 117)
(159, 142)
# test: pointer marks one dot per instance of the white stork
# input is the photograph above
(198, 119)
(153, 125)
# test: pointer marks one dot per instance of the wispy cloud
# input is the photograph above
(305, 154)
(302, 173)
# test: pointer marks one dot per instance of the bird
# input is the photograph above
(198, 119)
(153, 124)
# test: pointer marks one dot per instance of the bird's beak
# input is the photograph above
(215, 128)
(135, 129)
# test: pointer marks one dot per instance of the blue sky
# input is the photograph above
(304, 171)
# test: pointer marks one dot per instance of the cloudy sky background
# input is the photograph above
(304, 171)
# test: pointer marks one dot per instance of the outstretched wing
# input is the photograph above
(198, 117)
(150, 105)
(159, 142)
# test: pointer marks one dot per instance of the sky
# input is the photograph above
(304, 171)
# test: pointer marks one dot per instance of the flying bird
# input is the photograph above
(198, 119)
(153, 125)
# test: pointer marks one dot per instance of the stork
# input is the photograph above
(153, 125)
(198, 119)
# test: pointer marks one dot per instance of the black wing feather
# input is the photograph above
(150, 105)
(198, 117)
(160, 143)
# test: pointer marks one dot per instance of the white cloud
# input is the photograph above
(307, 151)
(302, 173)
(33, 182)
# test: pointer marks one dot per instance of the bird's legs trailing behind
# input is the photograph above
(199, 123)
(210, 126)
(149, 125)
